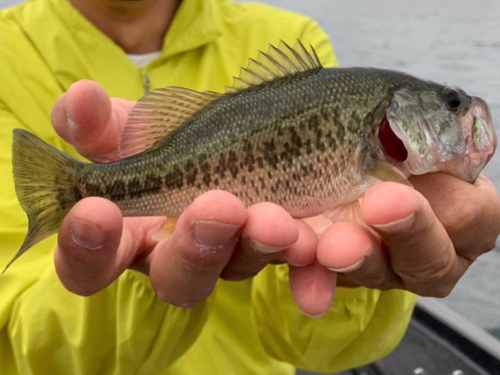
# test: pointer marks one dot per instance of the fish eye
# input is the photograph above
(453, 98)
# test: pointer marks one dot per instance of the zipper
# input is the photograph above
(146, 82)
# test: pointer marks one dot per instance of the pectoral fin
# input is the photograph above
(385, 171)
(165, 230)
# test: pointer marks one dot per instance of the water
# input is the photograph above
(454, 41)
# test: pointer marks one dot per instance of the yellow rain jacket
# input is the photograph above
(249, 327)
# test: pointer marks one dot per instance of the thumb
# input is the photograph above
(86, 117)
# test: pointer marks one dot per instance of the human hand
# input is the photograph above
(422, 240)
(427, 259)
(216, 236)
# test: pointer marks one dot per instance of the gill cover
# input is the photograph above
(429, 131)
(438, 137)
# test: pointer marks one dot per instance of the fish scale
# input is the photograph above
(288, 132)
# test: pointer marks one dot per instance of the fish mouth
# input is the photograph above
(480, 141)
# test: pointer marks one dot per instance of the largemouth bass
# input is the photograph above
(288, 131)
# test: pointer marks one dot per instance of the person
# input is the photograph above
(133, 305)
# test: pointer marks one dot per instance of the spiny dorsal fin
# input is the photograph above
(159, 113)
(277, 62)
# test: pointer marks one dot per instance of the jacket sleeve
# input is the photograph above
(44, 329)
(362, 326)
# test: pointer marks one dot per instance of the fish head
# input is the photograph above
(438, 128)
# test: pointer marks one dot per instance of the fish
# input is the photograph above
(289, 131)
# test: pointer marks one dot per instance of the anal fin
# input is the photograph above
(318, 223)
(346, 212)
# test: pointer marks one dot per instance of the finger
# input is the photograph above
(303, 251)
(469, 212)
(313, 288)
(87, 118)
(185, 268)
(352, 250)
(85, 258)
(345, 246)
(268, 231)
(419, 249)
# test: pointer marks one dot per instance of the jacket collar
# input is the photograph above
(196, 23)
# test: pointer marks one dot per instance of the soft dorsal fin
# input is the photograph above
(159, 113)
(277, 62)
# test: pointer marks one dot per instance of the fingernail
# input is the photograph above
(398, 226)
(87, 235)
(214, 234)
(71, 122)
(314, 316)
(71, 125)
(266, 249)
(350, 268)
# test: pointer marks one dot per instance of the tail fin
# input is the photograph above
(46, 181)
